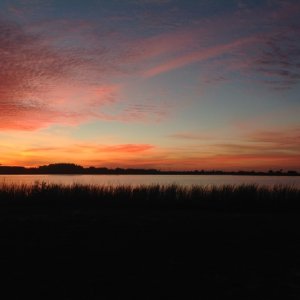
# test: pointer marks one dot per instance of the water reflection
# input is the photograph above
(185, 180)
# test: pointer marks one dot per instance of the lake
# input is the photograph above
(185, 180)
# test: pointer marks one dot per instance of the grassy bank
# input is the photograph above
(227, 197)
(149, 242)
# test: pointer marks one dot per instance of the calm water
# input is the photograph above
(186, 180)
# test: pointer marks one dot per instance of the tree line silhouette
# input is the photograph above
(70, 168)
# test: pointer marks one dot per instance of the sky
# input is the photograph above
(165, 84)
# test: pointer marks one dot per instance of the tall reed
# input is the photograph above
(223, 198)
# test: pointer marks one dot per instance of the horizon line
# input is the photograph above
(76, 168)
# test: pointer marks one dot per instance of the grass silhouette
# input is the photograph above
(150, 242)
(227, 197)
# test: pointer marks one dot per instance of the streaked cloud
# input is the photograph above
(190, 136)
(198, 56)
(270, 51)
(287, 140)
(127, 148)
(123, 148)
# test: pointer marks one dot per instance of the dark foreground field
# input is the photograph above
(150, 242)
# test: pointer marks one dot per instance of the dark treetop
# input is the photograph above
(68, 168)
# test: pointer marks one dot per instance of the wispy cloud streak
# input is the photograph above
(199, 56)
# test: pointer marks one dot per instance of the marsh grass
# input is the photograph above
(224, 198)
(188, 241)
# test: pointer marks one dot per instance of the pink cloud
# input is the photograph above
(279, 140)
(126, 148)
(261, 55)
(94, 148)
(216, 162)
(46, 149)
(257, 161)
(190, 136)
(42, 84)
(273, 120)
(260, 149)
(199, 34)
(27, 68)
(65, 104)
(200, 55)
(163, 44)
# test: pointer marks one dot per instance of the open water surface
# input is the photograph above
(185, 180)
